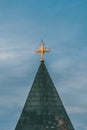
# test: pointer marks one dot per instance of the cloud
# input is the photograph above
(9, 55)
(76, 110)
(7, 52)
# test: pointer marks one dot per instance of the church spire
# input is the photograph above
(43, 109)
(42, 50)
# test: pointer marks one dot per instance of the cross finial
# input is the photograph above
(42, 50)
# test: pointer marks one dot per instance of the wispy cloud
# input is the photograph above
(76, 110)
(5, 55)
(12, 51)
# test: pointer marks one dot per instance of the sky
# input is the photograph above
(62, 24)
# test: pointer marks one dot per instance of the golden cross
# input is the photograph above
(42, 50)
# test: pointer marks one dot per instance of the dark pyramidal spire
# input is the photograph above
(43, 109)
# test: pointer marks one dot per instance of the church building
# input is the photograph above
(43, 109)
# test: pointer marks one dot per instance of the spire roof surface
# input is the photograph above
(43, 109)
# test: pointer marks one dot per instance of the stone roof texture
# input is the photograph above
(43, 109)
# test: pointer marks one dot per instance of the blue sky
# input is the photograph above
(62, 24)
